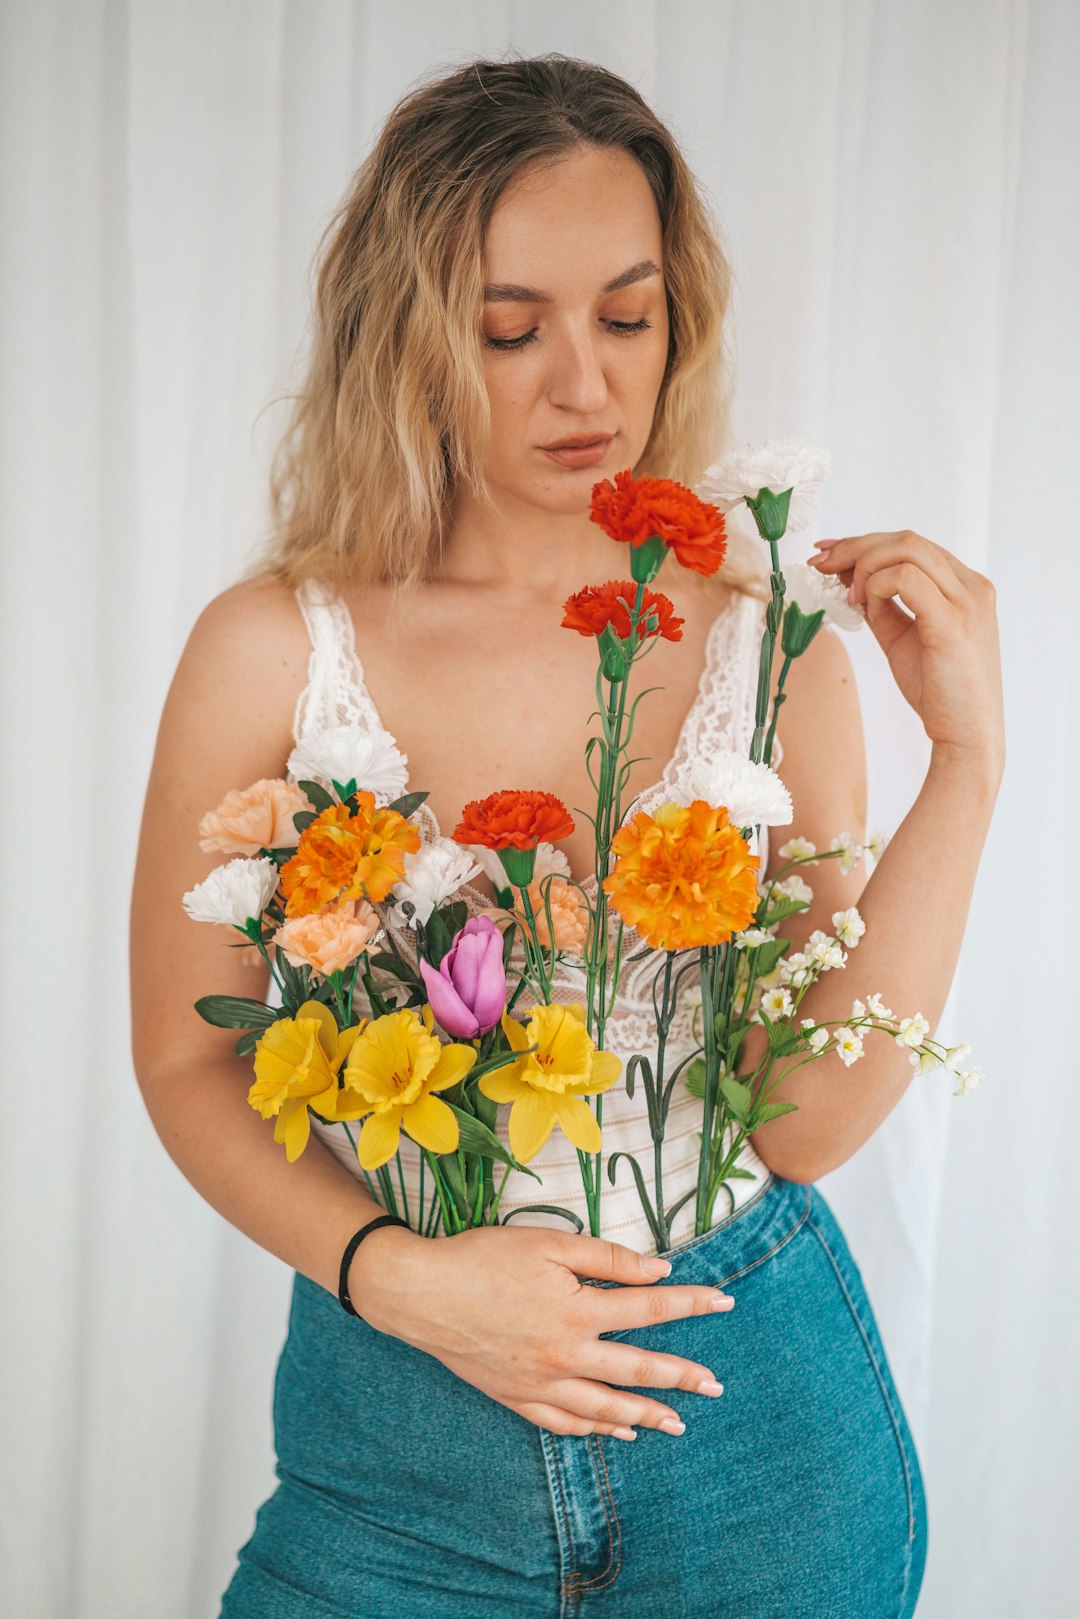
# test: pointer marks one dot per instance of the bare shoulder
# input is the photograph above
(226, 723)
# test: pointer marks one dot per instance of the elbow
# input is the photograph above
(792, 1163)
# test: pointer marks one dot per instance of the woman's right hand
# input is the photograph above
(503, 1308)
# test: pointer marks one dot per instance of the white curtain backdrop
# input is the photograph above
(898, 185)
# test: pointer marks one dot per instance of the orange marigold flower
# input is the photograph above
(513, 818)
(632, 509)
(591, 609)
(684, 877)
(343, 856)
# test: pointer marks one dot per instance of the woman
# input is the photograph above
(524, 259)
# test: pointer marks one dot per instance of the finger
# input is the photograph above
(618, 1309)
(599, 1402)
(915, 590)
(610, 1261)
(633, 1367)
(558, 1420)
(865, 552)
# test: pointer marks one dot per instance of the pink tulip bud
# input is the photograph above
(467, 992)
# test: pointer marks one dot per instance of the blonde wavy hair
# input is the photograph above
(393, 409)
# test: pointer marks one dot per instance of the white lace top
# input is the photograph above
(720, 717)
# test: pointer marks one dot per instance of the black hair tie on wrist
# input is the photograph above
(350, 1248)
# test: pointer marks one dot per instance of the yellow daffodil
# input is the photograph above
(551, 1083)
(391, 1074)
(296, 1067)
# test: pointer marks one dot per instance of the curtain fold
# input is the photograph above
(898, 187)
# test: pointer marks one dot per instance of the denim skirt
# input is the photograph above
(406, 1493)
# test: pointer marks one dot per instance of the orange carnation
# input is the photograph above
(344, 855)
(684, 877)
(513, 818)
(634, 509)
(591, 609)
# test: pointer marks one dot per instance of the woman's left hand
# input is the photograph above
(946, 659)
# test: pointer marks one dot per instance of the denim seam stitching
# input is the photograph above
(897, 1434)
(563, 1518)
(614, 1534)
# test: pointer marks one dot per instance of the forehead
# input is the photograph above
(583, 220)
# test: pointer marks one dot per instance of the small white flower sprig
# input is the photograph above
(783, 987)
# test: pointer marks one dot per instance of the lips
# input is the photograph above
(579, 443)
(581, 455)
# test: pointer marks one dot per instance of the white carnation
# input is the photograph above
(814, 591)
(347, 752)
(234, 893)
(778, 464)
(433, 873)
(849, 926)
(751, 790)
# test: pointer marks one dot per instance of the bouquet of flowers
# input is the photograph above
(320, 876)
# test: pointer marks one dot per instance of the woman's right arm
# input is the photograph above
(502, 1306)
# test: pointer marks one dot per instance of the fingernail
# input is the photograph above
(709, 1385)
(655, 1266)
(851, 591)
(721, 1301)
(625, 1433)
(672, 1425)
(820, 543)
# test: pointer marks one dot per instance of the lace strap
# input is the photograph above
(335, 693)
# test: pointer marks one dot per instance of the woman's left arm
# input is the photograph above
(944, 655)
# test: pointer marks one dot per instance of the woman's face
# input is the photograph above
(586, 360)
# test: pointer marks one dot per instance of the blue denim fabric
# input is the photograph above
(406, 1493)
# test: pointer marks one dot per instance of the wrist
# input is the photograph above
(980, 766)
(375, 1264)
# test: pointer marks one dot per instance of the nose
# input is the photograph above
(578, 382)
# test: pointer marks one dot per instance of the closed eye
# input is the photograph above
(621, 328)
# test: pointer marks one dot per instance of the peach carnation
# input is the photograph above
(252, 818)
(331, 939)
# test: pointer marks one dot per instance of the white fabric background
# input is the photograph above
(899, 187)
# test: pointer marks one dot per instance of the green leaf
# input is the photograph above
(407, 803)
(767, 955)
(694, 1076)
(318, 795)
(737, 1096)
(236, 1012)
(476, 1137)
(772, 1110)
(780, 908)
(544, 1208)
(642, 1193)
(783, 1036)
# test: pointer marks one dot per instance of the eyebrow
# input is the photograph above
(506, 292)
